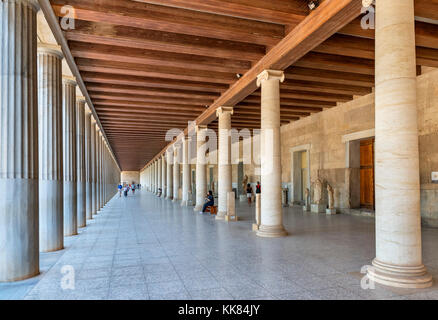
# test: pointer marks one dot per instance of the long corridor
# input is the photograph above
(144, 247)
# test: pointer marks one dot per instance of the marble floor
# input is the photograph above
(144, 247)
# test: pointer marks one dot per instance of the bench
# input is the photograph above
(211, 209)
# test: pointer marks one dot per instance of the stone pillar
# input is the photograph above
(270, 155)
(19, 253)
(176, 148)
(224, 156)
(169, 173)
(163, 176)
(398, 261)
(159, 174)
(201, 175)
(50, 148)
(93, 167)
(186, 172)
(69, 157)
(88, 165)
(81, 163)
(98, 186)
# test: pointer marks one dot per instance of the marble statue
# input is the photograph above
(330, 193)
(306, 196)
(317, 191)
(244, 183)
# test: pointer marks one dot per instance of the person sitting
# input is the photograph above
(209, 201)
(160, 191)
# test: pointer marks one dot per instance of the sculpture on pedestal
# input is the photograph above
(330, 197)
(317, 191)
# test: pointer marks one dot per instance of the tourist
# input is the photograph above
(249, 193)
(209, 201)
(258, 188)
(133, 188)
(119, 187)
(125, 191)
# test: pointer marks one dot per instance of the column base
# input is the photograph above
(271, 231)
(169, 198)
(221, 215)
(400, 277)
(184, 203)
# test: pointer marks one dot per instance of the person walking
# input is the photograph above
(249, 193)
(133, 188)
(119, 187)
(258, 188)
(125, 191)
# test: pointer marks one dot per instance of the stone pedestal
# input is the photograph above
(398, 261)
(51, 186)
(306, 208)
(318, 208)
(330, 211)
(19, 254)
(271, 207)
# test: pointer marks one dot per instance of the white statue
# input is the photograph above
(306, 195)
(317, 191)
(331, 201)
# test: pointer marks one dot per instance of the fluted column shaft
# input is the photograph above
(81, 163)
(398, 259)
(201, 175)
(176, 179)
(19, 252)
(163, 175)
(50, 136)
(169, 174)
(271, 208)
(69, 115)
(97, 168)
(224, 156)
(186, 172)
(93, 168)
(159, 173)
(88, 166)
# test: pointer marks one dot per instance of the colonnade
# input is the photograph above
(398, 259)
(56, 170)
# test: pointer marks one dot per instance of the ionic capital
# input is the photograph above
(52, 49)
(270, 75)
(223, 109)
(69, 80)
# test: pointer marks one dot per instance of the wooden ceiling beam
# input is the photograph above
(290, 95)
(149, 105)
(160, 18)
(281, 12)
(103, 78)
(132, 69)
(124, 36)
(324, 87)
(117, 98)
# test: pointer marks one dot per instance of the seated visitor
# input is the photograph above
(209, 201)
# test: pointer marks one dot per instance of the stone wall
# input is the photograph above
(328, 153)
(130, 177)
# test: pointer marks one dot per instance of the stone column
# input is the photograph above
(50, 148)
(270, 155)
(201, 175)
(163, 176)
(93, 167)
(81, 163)
(169, 174)
(19, 253)
(176, 173)
(69, 157)
(398, 261)
(98, 171)
(88, 165)
(186, 172)
(224, 156)
(159, 173)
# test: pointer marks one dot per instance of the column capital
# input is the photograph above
(69, 80)
(224, 109)
(81, 99)
(200, 127)
(270, 75)
(34, 4)
(52, 49)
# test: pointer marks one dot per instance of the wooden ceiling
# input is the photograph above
(153, 65)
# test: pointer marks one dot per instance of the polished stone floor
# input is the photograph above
(143, 247)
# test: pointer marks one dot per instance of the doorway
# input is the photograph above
(367, 192)
(300, 173)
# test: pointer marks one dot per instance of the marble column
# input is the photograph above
(69, 157)
(169, 174)
(81, 163)
(93, 167)
(50, 140)
(163, 176)
(398, 261)
(176, 148)
(97, 168)
(224, 156)
(201, 175)
(88, 166)
(186, 172)
(19, 253)
(270, 155)
(159, 174)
